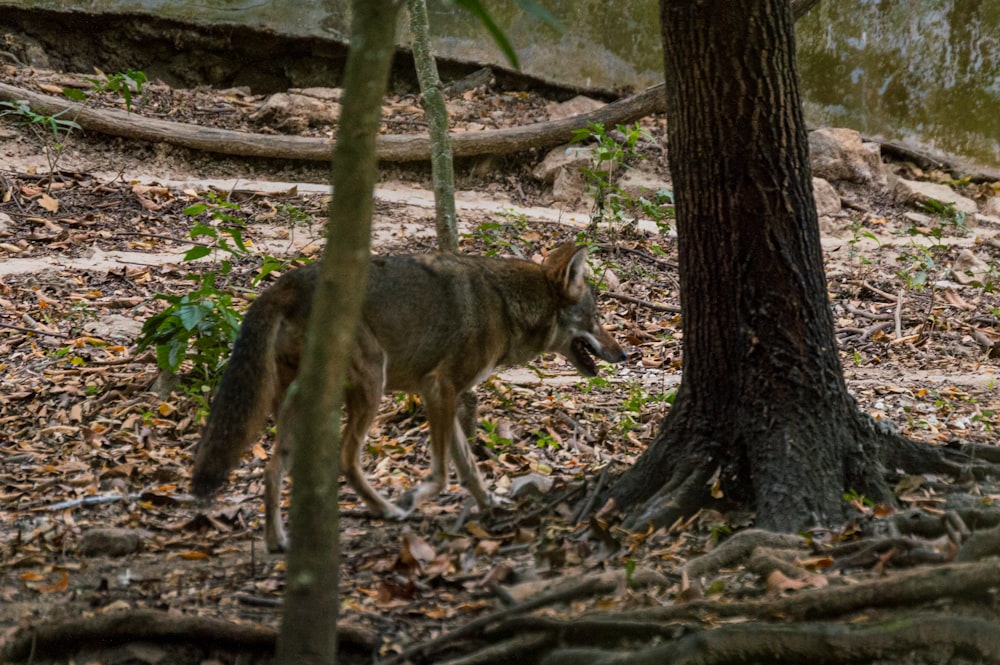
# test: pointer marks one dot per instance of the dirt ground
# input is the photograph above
(92, 230)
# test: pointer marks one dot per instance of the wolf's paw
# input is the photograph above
(498, 501)
(278, 544)
(399, 512)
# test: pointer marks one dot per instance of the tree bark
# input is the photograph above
(308, 628)
(762, 417)
(442, 167)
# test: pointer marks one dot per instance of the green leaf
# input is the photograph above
(195, 209)
(237, 236)
(197, 252)
(199, 230)
(75, 94)
(191, 315)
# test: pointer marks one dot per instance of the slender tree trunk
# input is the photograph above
(442, 170)
(308, 627)
(763, 418)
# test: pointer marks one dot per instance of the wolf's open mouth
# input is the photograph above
(582, 351)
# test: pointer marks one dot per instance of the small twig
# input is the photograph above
(588, 505)
(257, 601)
(94, 500)
(871, 330)
(673, 309)
(854, 205)
(663, 263)
(899, 315)
(887, 296)
(157, 236)
(857, 311)
(35, 331)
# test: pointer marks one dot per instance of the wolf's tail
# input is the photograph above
(243, 400)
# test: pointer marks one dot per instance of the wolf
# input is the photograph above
(435, 325)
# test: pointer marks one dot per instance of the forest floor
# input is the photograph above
(92, 232)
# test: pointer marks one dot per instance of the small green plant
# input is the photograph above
(502, 237)
(857, 233)
(718, 531)
(636, 400)
(20, 110)
(199, 327)
(41, 124)
(595, 383)
(629, 571)
(545, 440)
(947, 213)
(858, 499)
(612, 152)
(915, 266)
(60, 127)
(984, 418)
(123, 83)
(626, 423)
(494, 440)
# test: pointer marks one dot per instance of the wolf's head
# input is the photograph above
(577, 335)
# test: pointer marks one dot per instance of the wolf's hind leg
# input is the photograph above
(274, 477)
(365, 385)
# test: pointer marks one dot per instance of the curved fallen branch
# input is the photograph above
(389, 148)
(63, 638)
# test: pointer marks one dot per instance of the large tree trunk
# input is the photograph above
(309, 622)
(762, 400)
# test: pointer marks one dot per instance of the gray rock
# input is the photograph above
(912, 192)
(296, 111)
(918, 218)
(114, 328)
(563, 157)
(636, 182)
(839, 154)
(569, 187)
(991, 207)
(110, 542)
(969, 268)
(325, 94)
(827, 198)
(530, 484)
(576, 106)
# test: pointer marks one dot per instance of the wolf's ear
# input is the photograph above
(568, 266)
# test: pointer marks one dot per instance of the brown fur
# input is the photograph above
(435, 325)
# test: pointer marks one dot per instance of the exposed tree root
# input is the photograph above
(64, 638)
(842, 624)
(739, 548)
(958, 460)
(976, 639)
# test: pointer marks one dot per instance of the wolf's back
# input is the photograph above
(246, 393)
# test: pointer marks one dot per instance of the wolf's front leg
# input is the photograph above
(468, 470)
(439, 399)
